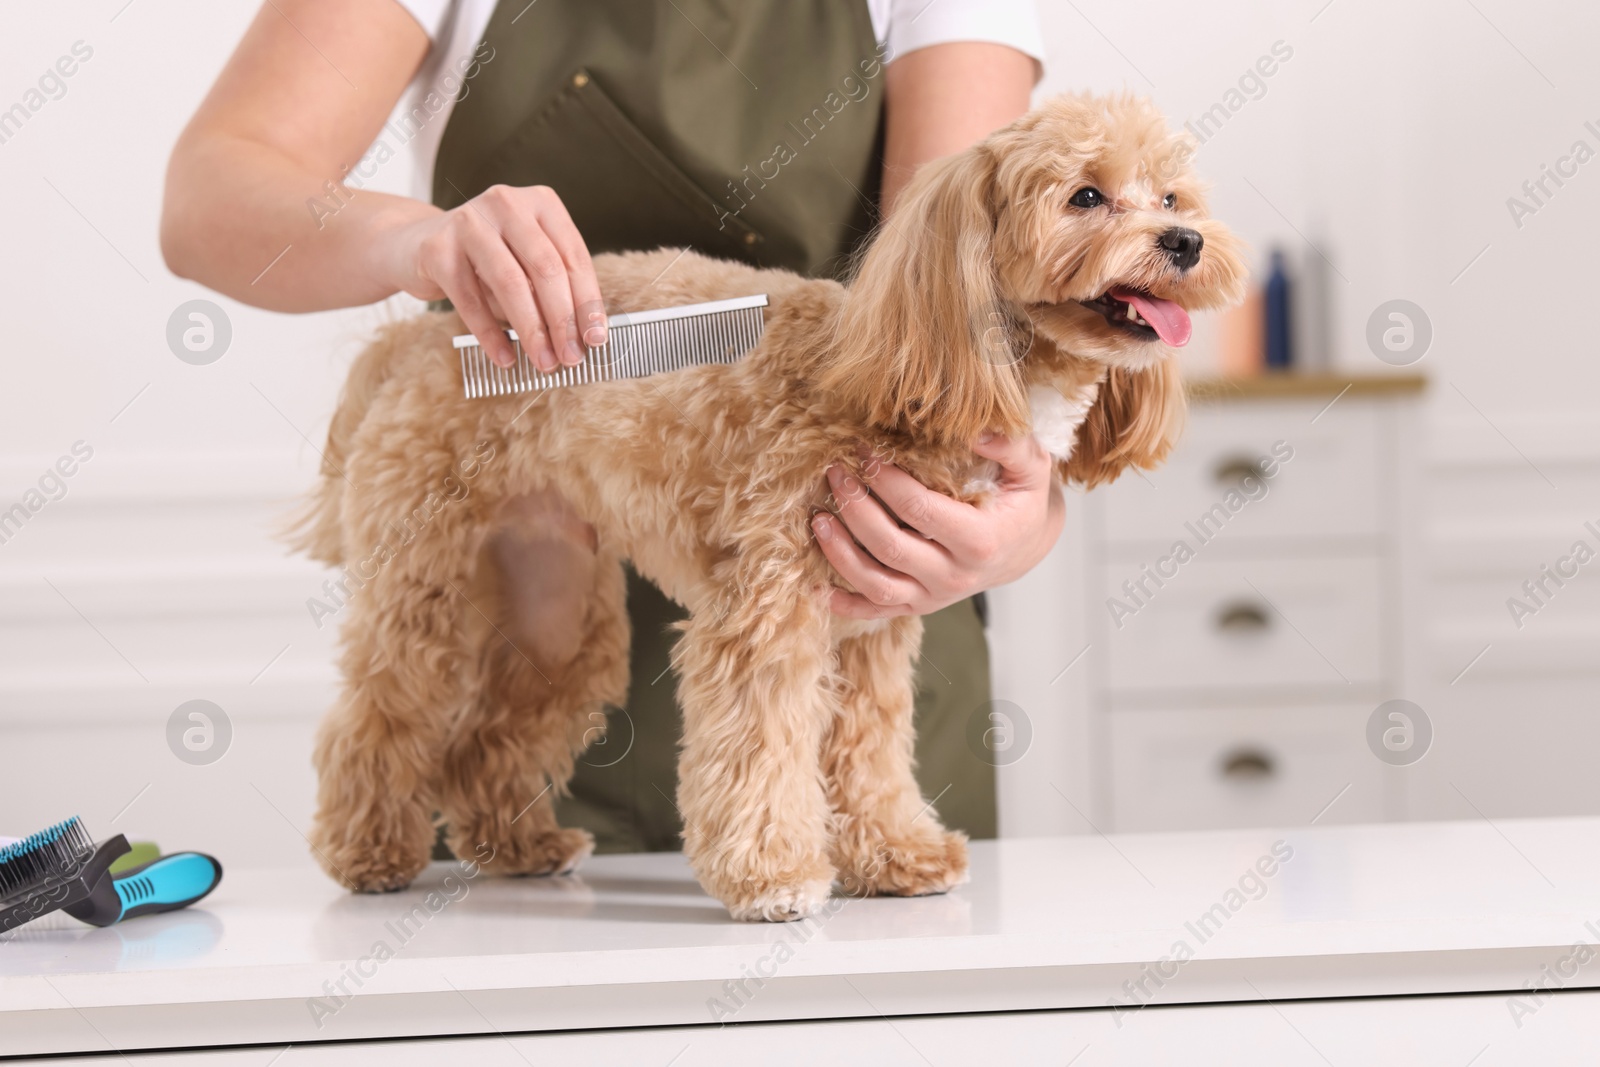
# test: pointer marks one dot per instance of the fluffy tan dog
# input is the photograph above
(1034, 283)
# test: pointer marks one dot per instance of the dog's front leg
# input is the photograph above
(752, 672)
(887, 840)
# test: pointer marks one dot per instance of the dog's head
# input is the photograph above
(1073, 242)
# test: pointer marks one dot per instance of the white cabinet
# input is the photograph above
(1331, 486)
(1205, 768)
(1236, 624)
(1249, 608)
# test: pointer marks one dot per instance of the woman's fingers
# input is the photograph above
(455, 276)
(542, 267)
(587, 303)
(855, 606)
(514, 255)
(1024, 464)
(536, 227)
(881, 587)
(876, 530)
(957, 548)
(929, 513)
(500, 273)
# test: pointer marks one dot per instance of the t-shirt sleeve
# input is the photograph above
(430, 15)
(915, 24)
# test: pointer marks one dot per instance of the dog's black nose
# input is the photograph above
(1183, 246)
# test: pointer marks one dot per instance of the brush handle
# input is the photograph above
(165, 884)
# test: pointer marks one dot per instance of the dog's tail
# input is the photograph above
(316, 528)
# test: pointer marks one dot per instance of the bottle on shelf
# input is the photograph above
(1279, 347)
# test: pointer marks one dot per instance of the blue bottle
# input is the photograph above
(1279, 356)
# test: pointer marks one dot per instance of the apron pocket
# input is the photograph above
(607, 171)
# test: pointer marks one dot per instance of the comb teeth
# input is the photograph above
(51, 855)
(637, 345)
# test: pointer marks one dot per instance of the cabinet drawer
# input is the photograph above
(1229, 623)
(1326, 488)
(1190, 770)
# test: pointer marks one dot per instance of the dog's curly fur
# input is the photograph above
(970, 312)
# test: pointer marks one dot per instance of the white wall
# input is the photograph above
(1391, 139)
(168, 584)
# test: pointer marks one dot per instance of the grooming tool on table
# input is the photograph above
(638, 343)
(63, 868)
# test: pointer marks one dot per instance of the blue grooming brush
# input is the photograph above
(61, 868)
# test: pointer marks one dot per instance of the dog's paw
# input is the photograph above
(780, 875)
(371, 870)
(558, 851)
(779, 902)
(928, 863)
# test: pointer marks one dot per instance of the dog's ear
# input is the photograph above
(1134, 423)
(921, 344)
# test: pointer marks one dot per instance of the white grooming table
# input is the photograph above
(631, 962)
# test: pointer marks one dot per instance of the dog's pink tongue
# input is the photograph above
(1169, 320)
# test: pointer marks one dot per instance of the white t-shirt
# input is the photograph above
(456, 27)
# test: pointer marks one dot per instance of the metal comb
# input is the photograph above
(638, 343)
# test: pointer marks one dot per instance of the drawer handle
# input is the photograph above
(1248, 765)
(1243, 617)
(1235, 469)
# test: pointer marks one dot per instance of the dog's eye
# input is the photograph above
(1169, 201)
(1087, 197)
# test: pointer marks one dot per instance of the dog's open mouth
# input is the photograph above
(1143, 315)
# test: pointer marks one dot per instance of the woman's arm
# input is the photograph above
(301, 99)
(940, 100)
(304, 94)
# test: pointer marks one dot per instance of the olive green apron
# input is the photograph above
(745, 129)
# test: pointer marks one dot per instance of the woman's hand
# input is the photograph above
(252, 183)
(939, 100)
(951, 550)
(507, 255)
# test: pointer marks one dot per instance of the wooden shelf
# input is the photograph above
(1293, 385)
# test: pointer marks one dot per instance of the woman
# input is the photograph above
(772, 131)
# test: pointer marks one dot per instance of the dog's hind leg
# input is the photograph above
(887, 839)
(558, 652)
(752, 668)
(405, 663)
